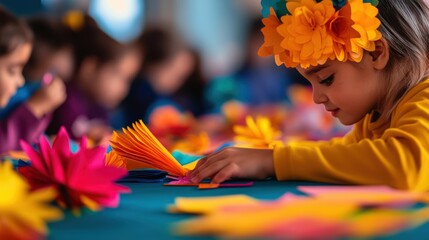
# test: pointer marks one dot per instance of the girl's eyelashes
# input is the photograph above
(328, 81)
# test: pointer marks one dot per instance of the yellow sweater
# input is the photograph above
(396, 154)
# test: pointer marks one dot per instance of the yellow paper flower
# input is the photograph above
(257, 134)
(22, 213)
(305, 34)
(364, 15)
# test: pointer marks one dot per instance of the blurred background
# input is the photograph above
(193, 68)
(216, 27)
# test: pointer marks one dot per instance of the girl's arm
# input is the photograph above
(399, 157)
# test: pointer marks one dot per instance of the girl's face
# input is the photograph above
(11, 72)
(62, 63)
(113, 80)
(168, 77)
(348, 90)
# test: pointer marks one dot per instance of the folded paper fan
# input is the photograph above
(140, 145)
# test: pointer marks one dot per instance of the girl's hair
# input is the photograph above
(49, 35)
(158, 45)
(91, 41)
(405, 26)
(13, 32)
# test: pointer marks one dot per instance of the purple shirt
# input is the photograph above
(21, 124)
(77, 114)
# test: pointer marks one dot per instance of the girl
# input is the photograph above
(104, 69)
(53, 49)
(51, 53)
(29, 120)
(368, 65)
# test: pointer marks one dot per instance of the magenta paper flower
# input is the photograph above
(81, 178)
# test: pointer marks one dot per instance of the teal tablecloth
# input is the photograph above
(142, 214)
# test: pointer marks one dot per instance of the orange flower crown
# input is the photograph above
(309, 32)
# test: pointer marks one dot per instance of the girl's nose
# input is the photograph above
(21, 81)
(319, 97)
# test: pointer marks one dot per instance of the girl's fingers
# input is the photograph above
(224, 174)
(204, 162)
(210, 169)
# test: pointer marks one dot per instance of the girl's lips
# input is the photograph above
(334, 112)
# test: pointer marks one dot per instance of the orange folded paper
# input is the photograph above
(140, 145)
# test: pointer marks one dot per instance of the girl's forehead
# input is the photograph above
(19, 55)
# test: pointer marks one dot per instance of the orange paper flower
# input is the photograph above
(364, 15)
(305, 34)
(272, 45)
(140, 145)
(312, 32)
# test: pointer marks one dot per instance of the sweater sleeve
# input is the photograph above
(398, 158)
(21, 124)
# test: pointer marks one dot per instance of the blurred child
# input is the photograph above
(51, 59)
(30, 119)
(53, 49)
(104, 70)
(368, 64)
(170, 75)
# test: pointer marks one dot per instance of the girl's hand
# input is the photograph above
(234, 163)
(48, 98)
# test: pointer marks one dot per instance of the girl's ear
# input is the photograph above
(380, 57)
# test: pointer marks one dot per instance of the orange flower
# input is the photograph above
(364, 15)
(193, 144)
(305, 34)
(273, 39)
(340, 28)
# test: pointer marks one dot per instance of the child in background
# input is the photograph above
(29, 120)
(51, 59)
(53, 49)
(104, 70)
(170, 75)
(370, 74)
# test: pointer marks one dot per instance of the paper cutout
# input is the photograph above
(379, 222)
(306, 228)
(254, 222)
(366, 195)
(180, 180)
(23, 213)
(139, 144)
(81, 178)
(320, 216)
(206, 205)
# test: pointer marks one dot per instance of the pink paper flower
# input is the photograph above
(81, 178)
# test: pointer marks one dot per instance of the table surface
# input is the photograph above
(142, 214)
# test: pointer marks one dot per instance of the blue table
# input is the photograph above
(142, 214)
